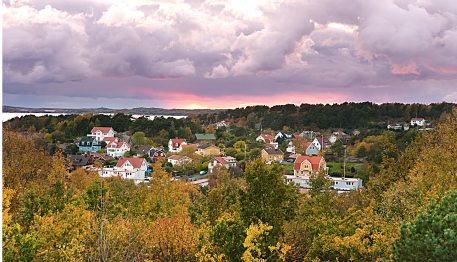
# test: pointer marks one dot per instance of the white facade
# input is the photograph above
(228, 163)
(333, 138)
(113, 149)
(339, 183)
(181, 161)
(418, 121)
(137, 174)
(176, 147)
(99, 134)
(270, 142)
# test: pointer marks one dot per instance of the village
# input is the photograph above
(307, 153)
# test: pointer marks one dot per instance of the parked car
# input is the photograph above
(202, 172)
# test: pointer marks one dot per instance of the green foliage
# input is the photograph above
(432, 236)
(267, 198)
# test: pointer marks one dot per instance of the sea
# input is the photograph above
(8, 116)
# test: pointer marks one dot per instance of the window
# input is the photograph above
(270, 157)
(296, 172)
(306, 166)
(302, 172)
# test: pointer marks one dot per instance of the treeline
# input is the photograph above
(319, 116)
(406, 212)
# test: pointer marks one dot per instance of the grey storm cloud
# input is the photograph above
(296, 45)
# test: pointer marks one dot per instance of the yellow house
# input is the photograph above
(307, 165)
(208, 150)
(271, 154)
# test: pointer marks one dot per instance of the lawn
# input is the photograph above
(339, 167)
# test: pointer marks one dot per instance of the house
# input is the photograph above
(267, 139)
(355, 132)
(175, 145)
(127, 168)
(143, 150)
(202, 139)
(200, 182)
(308, 165)
(156, 154)
(99, 133)
(339, 133)
(226, 161)
(321, 142)
(178, 160)
(110, 139)
(81, 161)
(310, 148)
(117, 149)
(272, 155)
(345, 140)
(307, 134)
(418, 122)
(89, 145)
(398, 126)
(222, 124)
(284, 134)
(339, 183)
(208, 150)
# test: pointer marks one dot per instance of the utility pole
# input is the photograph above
(344, 176)
(245, 151)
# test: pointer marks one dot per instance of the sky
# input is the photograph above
(227, 54)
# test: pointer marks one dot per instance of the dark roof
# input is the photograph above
(79, 160)
(143, 150)
(205, 146)
(273, 151)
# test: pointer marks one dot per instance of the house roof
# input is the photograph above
(87, 139)
(135, 162)
(307, 144)
(143, 150)
(224, 160)
(200, 181)
(205, 146)
(79, 160)
(175, 157)
(178, 141)
(417, 119)
(325, 139)
(268, 139)
(102, 129)
(205, 136)
(193, 146)
(314, 160)
(118, 144)
(272, 151)
(109, 139)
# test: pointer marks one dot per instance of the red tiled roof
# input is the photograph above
(178, 141)
(119, 144)
(135, 162)
(109, 139)
(222, 160)
(307, 144)
(268, 139)
(319, 139)
(314, 160)
(102, 129)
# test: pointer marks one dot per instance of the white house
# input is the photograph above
(175, 145)
(227, 161)
(178, 160)
(127, 168)
(117, 149)
(418, 121)
(320, 141)
(333, 138)
(200, 182)
(284, 134)
(267, 139)
(339, 183)
(222, 124)
(99, 133)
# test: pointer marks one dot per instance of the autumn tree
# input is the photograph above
(299, 144)
(267, 198)
(139, 138)
(210, 130)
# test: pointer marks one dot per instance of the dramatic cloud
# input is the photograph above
(218, 53)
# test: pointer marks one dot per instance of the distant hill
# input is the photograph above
(103, 110)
